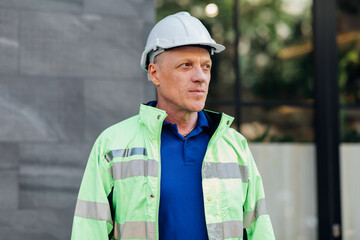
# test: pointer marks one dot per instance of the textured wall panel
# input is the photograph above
(109, 102)
(52, 177)
(149, 91)
(123, 8)
(9, 183)
(47, 199)
(55, 154)
(9, 156)
(44, 5)
(9, 44)
(40, 109)
(9, 189)
(49, 224)
(69, 69)
(80, 46)
(50, 174)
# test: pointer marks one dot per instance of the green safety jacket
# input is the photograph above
(120, 192)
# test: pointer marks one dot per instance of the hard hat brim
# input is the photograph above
(217, 48)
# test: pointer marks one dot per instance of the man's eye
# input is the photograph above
(186, 64)
(208, 66)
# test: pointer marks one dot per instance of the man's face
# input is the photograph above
(182, 78)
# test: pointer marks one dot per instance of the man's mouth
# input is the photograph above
(197, 90)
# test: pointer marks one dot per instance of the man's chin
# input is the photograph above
(197, 107)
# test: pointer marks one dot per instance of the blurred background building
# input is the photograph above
(290, 75)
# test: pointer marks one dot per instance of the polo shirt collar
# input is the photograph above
(202, 122)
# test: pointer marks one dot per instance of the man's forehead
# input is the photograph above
(188, 51)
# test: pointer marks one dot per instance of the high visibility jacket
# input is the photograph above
(120, 191)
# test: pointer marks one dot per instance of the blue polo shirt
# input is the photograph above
(181, 213)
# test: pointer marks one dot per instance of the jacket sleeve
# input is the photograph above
(92, 218)
(256, 219)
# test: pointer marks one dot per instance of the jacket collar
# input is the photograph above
(218, 122)
(153, 119)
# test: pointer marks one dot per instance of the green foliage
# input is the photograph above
(269, 29)
(349, 76)
(351, 136)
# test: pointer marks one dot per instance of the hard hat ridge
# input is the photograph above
(177, 30)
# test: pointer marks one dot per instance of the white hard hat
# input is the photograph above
(177, 30)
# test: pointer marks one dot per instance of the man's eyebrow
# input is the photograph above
(184, 59)
(202, 59)
(207, 61)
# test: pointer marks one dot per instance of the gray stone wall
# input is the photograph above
(68, 70)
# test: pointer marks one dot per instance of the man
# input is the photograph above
(174, 171)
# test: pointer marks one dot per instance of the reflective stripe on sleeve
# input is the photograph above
(127, 152)
(93, 210)
(225, 171)
(227, 229)
(251, 216)
(135, 230)
(134, 168)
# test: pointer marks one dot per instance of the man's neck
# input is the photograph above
(185, 121)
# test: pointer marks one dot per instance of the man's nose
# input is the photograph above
(199, 75)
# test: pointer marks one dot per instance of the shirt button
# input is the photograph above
(227, 122)
(159, 116)
(209, 198)
(152, 196)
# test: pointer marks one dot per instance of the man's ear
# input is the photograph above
(153, 73)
